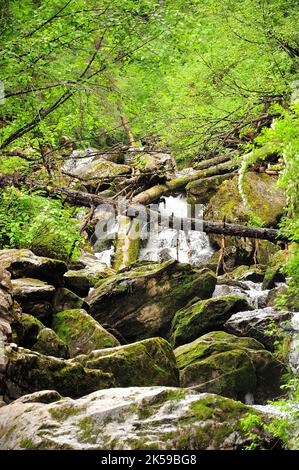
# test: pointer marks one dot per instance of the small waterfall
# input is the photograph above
(193, 248)
(165, 243)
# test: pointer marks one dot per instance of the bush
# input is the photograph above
(41, 224)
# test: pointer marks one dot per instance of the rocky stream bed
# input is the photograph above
(160, 353)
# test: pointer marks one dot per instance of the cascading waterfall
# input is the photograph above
(165, 243)
(193, 248)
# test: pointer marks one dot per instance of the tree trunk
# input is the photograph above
(154, 193)
(81, 198)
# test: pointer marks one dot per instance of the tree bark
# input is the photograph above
(154, 193)
(81, 198)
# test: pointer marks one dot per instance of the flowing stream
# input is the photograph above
(162, 243)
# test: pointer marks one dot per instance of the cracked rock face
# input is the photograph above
(128, 418)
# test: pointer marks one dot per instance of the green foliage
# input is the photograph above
(185, 71)
(43, 225)
(284, 427)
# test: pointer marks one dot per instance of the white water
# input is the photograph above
(169, 243)
(164, 243)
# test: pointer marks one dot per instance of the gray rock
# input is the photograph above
(130, 418)
(265, 325)
(23, 263)
(141, 302)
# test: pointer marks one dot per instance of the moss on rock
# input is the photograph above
(48, 343)
(145, 363)
(29, 371)
(222, 363)
(81, 332)
(204, 316)
(141, 302)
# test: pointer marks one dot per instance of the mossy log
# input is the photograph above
(127, 242)
(154, 193)
(81, 198)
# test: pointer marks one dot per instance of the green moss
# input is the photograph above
(204, 315)
(63, 412)
(146, 363)
(88, 430)
(28, 444)
(81, 332)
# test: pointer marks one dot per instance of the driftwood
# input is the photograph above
(81, 198)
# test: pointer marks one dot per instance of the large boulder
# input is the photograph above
(6, 310)
(131, 418)
(264, 198)
(140, 303)
(201, 191)
(35, 297)
(81, 332)
(203, 316)
(65, 299)
(145, 363)
(23, 263)
(265, 325)
(27, 371)
(48, 343)
(225, 364)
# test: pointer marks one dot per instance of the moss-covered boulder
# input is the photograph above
(35, 297)
(225, 364)
(201, 191)
(203, 316)
(65, 299)
(25, 330)
(274, 272)
(138, 418)
(23, 263)
(145, 363)
(141, 302)
(81, 332)
(27, 371)
(6, 307)
(263, 198)
(254, 273)
(48, 343)
(127, 243)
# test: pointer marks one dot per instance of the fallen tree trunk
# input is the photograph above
(81, 198)
(177, 184)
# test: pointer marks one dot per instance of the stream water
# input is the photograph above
(165, 243)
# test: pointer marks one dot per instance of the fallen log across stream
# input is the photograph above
(81, 198)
